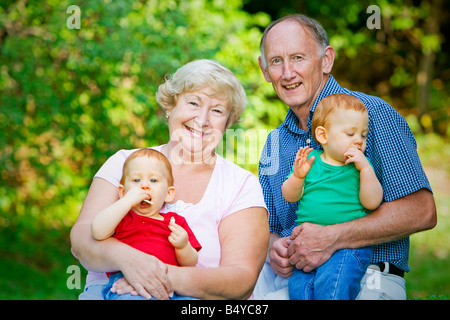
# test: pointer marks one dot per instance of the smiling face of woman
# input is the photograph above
(198, 122)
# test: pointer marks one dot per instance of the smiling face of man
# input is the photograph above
(295, 66)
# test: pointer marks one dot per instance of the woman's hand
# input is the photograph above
(144, 275)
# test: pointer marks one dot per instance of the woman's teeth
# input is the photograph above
(196, 132)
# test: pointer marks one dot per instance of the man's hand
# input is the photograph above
(310, 246)
(279, 258)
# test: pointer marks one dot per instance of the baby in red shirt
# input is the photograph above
(135, 219)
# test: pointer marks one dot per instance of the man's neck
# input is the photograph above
(302, 114)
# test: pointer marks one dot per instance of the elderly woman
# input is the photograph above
(222, 203)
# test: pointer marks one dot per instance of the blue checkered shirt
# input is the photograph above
(391, 147)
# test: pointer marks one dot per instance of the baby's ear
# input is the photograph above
(121, 191)
(321, 135)
(170, 194)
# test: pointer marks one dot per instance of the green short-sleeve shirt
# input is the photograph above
(331, 194)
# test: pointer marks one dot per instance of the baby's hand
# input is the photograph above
(179, 237)
(356, 156)
(136, 195)
(301, 165)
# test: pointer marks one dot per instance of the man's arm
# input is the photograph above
(313, 245)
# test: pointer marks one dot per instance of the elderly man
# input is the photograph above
(297, 59)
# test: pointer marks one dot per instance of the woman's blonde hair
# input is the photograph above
(201, 74)
(328, 106)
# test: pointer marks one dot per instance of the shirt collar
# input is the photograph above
(291, 120)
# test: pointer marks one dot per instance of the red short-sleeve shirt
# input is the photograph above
(151, 235)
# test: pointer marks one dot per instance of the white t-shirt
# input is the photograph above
(230, 189)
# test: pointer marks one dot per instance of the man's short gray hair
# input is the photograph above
(316, 30)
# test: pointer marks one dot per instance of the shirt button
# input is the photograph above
(308, 140)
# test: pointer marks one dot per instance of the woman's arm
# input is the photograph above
(244, 238)
(145, 272)
(93, 254)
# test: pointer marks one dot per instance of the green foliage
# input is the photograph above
(71, 98)
(430, 251)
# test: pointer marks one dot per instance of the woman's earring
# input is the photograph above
(167, 115)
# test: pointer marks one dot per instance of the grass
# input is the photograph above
(34, 262)
(430, 251)
(34, 265)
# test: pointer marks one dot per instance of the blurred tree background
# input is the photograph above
(70, 98)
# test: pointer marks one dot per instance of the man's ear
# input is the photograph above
(328, 60)
(170, 194)
(264, 70)
(321, 135)
(121, 191)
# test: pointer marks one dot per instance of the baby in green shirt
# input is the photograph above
(335, 185)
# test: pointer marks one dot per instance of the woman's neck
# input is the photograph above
(191, 177)
(180, 157)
